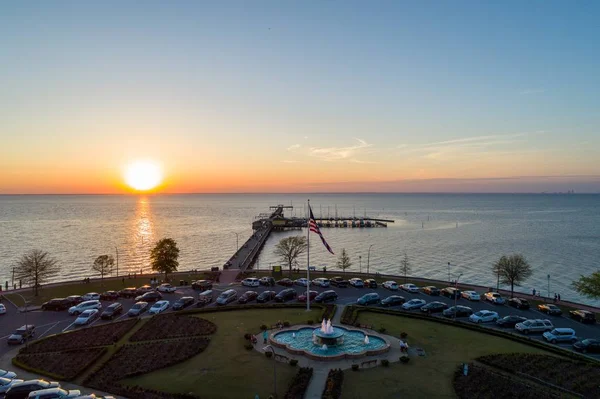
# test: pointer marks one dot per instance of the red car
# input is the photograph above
(109, 296)
(286, 282)
(312, 296)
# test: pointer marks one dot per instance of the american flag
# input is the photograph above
(312, 225)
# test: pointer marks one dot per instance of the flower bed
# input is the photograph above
(173, 326)
(62, 365)
(299, 384)
(84, 338)
(333, 385)
(132, 360)
(571, 375)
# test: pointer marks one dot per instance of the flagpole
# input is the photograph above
(308, 258)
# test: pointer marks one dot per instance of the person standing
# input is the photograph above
(534, 292)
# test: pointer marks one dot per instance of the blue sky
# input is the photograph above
(228, 96)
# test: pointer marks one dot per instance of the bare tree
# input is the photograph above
(344, 261)
(588, 286)
(513, 270)
(103, 265)
(290, 248)
(405, 266)
(35, 267)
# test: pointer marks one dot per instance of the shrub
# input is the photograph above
(249, 347)
(403, 335)
(269, 354)
(333, 385)
(293, 362)
(67, 365)
(385, 362)
(382, 330)
(173, 326)
(248, 336)
(286, 323)
(310, 322)
(355, 367)
(264, 327)
(404, 359)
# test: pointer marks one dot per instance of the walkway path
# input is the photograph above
(317, 383)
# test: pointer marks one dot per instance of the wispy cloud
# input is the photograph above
(290, 161)
(340, 153)
(362, 162)
(293, 147)
(526, 92)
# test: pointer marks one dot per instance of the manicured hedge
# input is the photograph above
(333, 385)
(83, 338)
(173, 326)
(299, 384)
(62, 365)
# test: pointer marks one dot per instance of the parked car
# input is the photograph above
(202, 285)
(159, 307)
(370, 283)
(392, 300)
(137, 309)
(167, 288)
(560, 335)
(266, 296)
(434, 307)
(431, 290)
(144, 289)
(87, 317)
(23, 389)
(91, 296)
(519, 303)
(494, 298)
(587, 345)
(450, 292)
(550, 309)
(152, 296)
(112, 311)
(339, 282)
(312, 296)
(326, 296)
(268, 281)
(7, 374)
(458, 311)
(303, 282)
(484, 316)
(390, 285)
(286, 295)
(250, 282)
(410, 287)
(183, 302)
(248, 296)
(130, 292)
(368, 299)
(21, 334)
(321, 282)
(510, 321)
(286, 282)
(6, 383)
(534, 326)
(54, 393)
(2, 309)
(83, 306)
(75, 299)
(109, 296)
(583, 316)
(414, 304)
(471, 295)
(204, 298)
(226, 297)
(56, 304)
(356, 282)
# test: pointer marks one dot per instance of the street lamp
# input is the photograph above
(456, 294)
(269, 347)
(548, 286)
(237, 241)
(369, 258)
(117, 249)
(26, 325)
(449, 282)
(360, 263)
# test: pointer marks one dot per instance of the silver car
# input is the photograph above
(226, 297)
(83, 306)
(6, 383)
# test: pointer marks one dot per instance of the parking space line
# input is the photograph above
(69, 326)
(45, 332)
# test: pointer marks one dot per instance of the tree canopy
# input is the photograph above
(344, 260)
(290, 248)
(405, 266)
(588, 286)
(164, 255)
(35, 268)
(103, 265)
(512, 270)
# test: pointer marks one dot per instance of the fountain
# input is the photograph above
(366, 340)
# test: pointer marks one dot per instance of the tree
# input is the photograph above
(290, 248)
(513, 270)
(103, 265)
(405, 266)
(588, 286)
(163, 257)
(344, 261)
(35, 268)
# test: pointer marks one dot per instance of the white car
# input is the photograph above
(87, 316)
(166, 288)
(494, 298)
(2, 309)
(91, 296)
(414, 304)
(301, 281)
(534, 325)
(54, 393)
(251, 282)
(484, 316)
(321, 282)
(356, 282)
(410, 288)
(6, 383)
(471, 295)
(159, 307)
(7, 374)
(83, 306)
(390, 285)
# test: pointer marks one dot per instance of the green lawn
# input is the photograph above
(226, 369)
(430, 376)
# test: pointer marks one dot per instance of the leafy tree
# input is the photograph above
(35, 268)
(290, 248)
(164, 255)
(344, 260)
(103, 265)
(513, 270)
(588, 286)
(405, 266)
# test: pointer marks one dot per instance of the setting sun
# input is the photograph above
(143, 175)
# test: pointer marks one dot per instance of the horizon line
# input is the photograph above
(324, 193)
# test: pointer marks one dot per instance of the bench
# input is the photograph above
(369, 363)
(282, 358)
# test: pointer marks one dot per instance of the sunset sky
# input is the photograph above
(306, 96)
